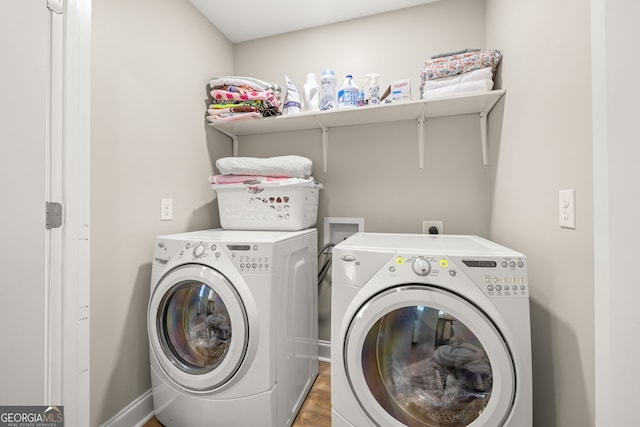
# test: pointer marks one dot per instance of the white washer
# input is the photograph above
(232, 324)
(429, 331)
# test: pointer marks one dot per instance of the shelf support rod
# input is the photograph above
(325, 144)
(325, 147)
(421, 121)
(234, 146)
(483, 137)
(484, 114)
(234, 141)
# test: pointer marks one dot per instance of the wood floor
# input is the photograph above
(316, 410)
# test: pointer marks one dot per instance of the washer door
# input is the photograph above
(197, 327)
(417, 355)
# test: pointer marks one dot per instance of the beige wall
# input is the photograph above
(545, 146)
(151, 62)
(373, 171)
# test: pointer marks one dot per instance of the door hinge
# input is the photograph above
(55, 5)
(53, 215)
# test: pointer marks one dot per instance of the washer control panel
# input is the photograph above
(249, 257)
(499, 277)
(199, 251)
(496, 277)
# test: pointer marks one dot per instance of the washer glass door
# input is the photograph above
(420, 356)
(199, 331)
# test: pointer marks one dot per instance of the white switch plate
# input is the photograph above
(166, 209)
(567, 208)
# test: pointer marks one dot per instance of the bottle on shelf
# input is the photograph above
(348, 93)
(328, 90)
(374, 88)
(311, 96)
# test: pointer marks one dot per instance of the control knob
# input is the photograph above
(198, 250)
(421, 266)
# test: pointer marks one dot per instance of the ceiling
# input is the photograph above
(255, 19)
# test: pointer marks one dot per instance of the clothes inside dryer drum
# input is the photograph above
(426, 368)
(194, 327)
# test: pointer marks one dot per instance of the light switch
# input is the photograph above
(166, 209)
(567, 209)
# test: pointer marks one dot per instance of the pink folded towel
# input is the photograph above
(238, 179)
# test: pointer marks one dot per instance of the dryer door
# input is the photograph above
(197, 327)
(417, 355)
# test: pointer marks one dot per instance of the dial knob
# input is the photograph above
(198, 250)
(421, 267)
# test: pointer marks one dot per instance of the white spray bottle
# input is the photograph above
(374, 89)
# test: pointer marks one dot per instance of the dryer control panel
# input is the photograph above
(250, 257)
(504, 277)
(496, 277)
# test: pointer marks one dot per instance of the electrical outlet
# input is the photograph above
(166, 209)
(432, 227)
(567, 209)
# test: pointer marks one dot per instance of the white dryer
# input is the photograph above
(232, 324)
(429, 331)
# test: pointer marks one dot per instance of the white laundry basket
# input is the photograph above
(273, 205)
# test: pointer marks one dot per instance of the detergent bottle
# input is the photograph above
(374, 88)
(291, 99)
(311, 100)
(348, 93)
(328, 90)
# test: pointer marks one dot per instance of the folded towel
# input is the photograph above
(251, 82)
(471, 76)
(221, 95)
(460, 89)
(237, 179)
(229, 116)
(462, 63)
(293, 166)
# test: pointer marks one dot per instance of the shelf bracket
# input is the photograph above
(484, 114)
(325, 147)
(234, 141)
(483, 137)
(234, 145)
(421, 121)
(325, 144)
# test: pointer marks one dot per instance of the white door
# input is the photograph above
(44, 153)
(24, 184)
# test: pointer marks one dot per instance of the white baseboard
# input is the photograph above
(324, 351)
(136, 414)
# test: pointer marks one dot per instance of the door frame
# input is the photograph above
(75, 187)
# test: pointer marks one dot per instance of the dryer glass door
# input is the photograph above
(198, 327)
(195, 326)
(420, 356)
